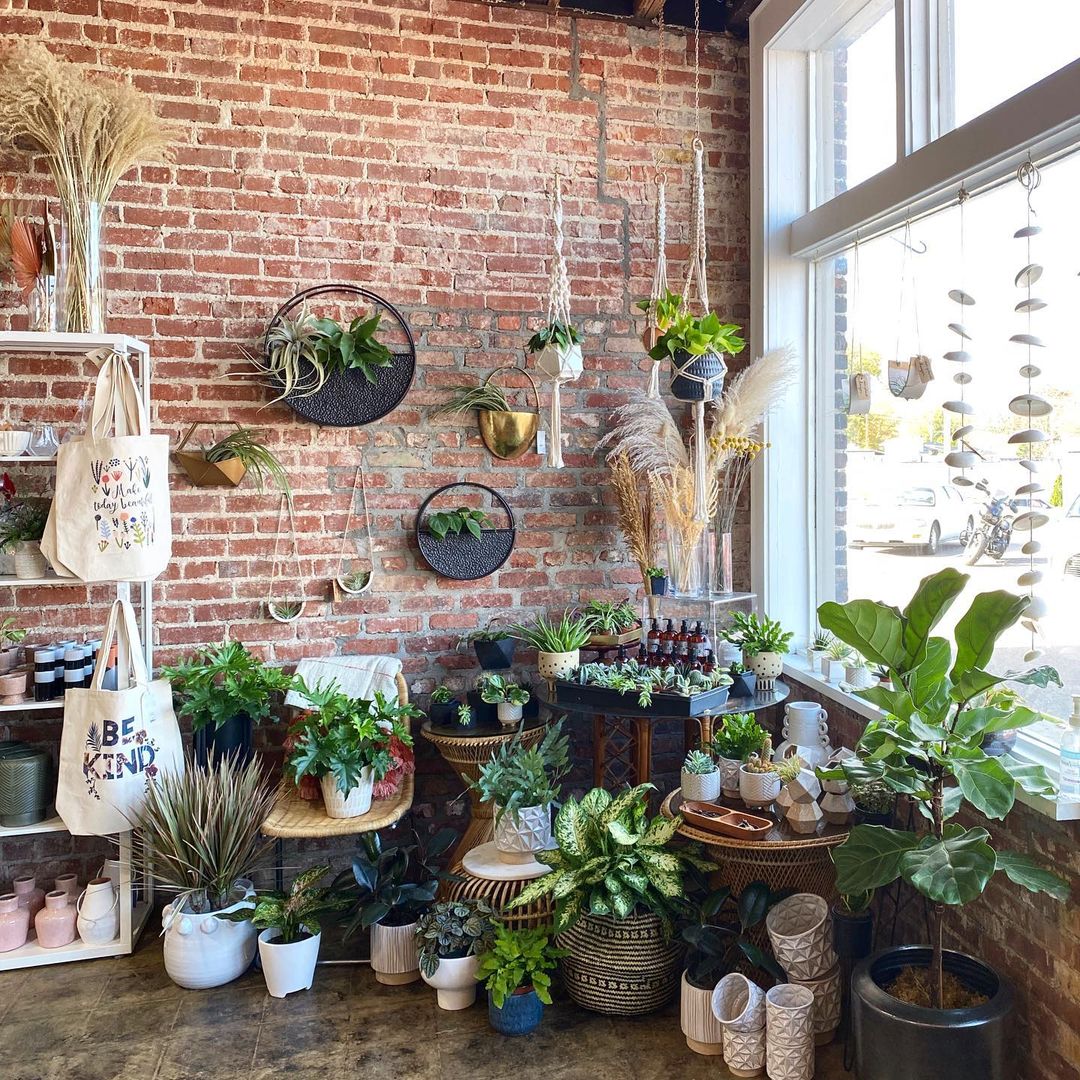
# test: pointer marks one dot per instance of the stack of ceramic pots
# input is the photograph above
(798, 802)
(806, 729)
(789, 1039)
(739, 1005)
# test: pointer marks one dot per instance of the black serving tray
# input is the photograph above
(599, 697)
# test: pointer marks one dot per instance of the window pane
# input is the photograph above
(897, 516)
(1001, 47)
(857, 74)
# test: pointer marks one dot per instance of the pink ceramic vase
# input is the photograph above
(14, 923)
(68, 883)
(30, 896)
(55, 923)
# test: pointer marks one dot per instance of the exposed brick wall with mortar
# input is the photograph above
(405, 147)
(1031, 939)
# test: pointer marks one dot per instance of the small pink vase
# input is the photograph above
(14, 923)
(30, 896)
(68, 883)
(55, 923)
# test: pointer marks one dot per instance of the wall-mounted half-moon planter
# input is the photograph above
(463, 556)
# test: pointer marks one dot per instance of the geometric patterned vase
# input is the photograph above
(800, 930)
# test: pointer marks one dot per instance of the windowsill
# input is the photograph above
(798, 667)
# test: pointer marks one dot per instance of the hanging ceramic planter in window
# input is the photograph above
(557, 348)
(909, 378)
(355, 580)
(854, 396)
(463, 543)
(338, 374)
(290, 607)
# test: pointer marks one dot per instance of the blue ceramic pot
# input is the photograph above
(519, 1015)
(708, 366)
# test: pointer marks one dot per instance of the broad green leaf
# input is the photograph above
(986, 785)
(1024, 871)
(754, 903)
(954, 870)
(875, 630)
(759, 958)
(568, 882)
(1040, 676)
(951, 800)
(595, 801)
(870, 857)
(571, 828)
(976, 634)
(893, 702)
(977, 681)
(925, 732)
(1033, 779)
(661, 830)
(473, 526)
(535, 890)
(927, 684)
(974, 722)
(621, 834)
(566, 913)
(625, 801)
(932, 599)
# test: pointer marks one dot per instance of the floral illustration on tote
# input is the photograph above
(99, 764)
(123, 502)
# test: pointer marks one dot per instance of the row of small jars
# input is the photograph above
(57, 916)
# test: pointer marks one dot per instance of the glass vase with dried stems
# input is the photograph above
(674, 492)
(90, 132)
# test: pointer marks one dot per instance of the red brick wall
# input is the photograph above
(405, 147)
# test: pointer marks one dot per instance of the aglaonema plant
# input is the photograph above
(927, 744)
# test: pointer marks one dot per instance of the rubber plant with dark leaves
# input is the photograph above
(927, 745)
(296, 913)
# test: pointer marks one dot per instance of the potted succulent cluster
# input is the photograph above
(290, 933)
(443, 706)
(686, 689)
(656, 580)
(515, 971)
(700, 777)
(387, 889)
(226, 690)
(619, 885)
(921, 1010)
(817, 648)
(22, 525)
(558, 643)
(348, 744)
(759, 780)
(743, 680)
(739, 736)
(509, 698)
(450, 938)
(834, 661)
(522, 783)
(764, 643)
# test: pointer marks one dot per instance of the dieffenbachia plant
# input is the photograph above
(928, 745)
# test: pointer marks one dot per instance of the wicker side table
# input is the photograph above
(499, 890)
(465, 754)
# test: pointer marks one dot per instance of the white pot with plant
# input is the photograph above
(857, 673)
(22, 526)
(700, 778)
(11, 636)
(345, 744)
(764, 643)
(738, 737)
(558, 644)
(509, 698)
(522, 783)
(759, 782)
(450, 939)
(819, 645)
(199, 837)
(834, 661)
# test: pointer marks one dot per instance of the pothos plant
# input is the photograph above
(454, 522)
(927, 745)
(682, 331)
(561, 335)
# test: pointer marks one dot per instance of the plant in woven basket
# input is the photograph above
(613, 859)
(570, 633)
(928, 745)
(739, 736)
(295, 913)
(557, 333)
(247, 446)
(453, 929)
(757, 634)
(519, 960)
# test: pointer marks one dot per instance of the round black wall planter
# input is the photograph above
(347, 399)
(896, 1041)
(234, 737)
(464, 557)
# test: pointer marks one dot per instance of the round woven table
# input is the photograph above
(783, 858)
(498, 892)
(465, 754)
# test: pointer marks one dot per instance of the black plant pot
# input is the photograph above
(743, 686)
(495, 655)
(873, 817)
(444, 712)
(484, 714)
(853, 935)
(658, 586)
(233, 737)
(896, 1041)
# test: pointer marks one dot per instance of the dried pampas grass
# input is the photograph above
(645, 433)
(750, 395)
(635, 511)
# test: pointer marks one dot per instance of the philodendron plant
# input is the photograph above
(927, 745)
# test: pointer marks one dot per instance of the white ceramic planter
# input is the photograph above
(393, 954)
(356, 802)
(859, 676)
(509, 715)
(804, 816)
(98, 906)
(701, 787)
(203, 951)
(454, 982)
(729, 775)
(29, 562)
(825, 1015)
(744, 1052)
(738, 1003)
(704, 1033)
(767, 666)
(800, 929)
(518, 841)
(288, 968)
(557, 665)
(789, 1037)
(758, 789)
(561, 363)
(837, 807)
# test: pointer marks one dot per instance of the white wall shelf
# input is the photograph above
(26, 459)
(33, 955)
(52, 823)
(23, 341)
(32, 706)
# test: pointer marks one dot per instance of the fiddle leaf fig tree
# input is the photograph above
(928, 745)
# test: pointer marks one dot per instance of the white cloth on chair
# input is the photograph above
(357, 676)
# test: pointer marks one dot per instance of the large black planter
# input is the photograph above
(495, 655)
(463, 556)
(896, 1041)
(873, 817)
(233, 737)
(444, 712)
(484, 714)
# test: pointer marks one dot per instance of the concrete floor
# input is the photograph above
(123, 1019)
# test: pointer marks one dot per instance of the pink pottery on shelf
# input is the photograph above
(30, 896)
(14, 923)
(55, 923)
(68, 883)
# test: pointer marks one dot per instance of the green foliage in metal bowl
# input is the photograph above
(445, 523)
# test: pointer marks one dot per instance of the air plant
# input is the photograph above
(284, 610)
(355, 581)
(246, 445)
(487, 396)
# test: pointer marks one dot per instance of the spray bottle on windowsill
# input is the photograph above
(1069, 782)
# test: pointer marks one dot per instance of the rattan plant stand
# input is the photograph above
(499, 892)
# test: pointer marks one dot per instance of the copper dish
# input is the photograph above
(722, 819)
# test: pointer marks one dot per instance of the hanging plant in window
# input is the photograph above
(909, 378)
(464, 543)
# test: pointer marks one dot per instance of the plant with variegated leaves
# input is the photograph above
(295, 913)
(613, 859)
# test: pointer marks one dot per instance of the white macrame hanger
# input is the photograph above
(341, 581)
(276, 608)
(659, 288)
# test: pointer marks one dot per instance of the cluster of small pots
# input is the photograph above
(54, 919)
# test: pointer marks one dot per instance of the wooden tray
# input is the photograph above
(713, 817)
(612, 641)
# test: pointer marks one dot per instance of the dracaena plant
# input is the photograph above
(613, 859)
(927, 745)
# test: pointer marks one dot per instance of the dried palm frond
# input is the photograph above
(751, 393)
(645, 433)
(635, 511)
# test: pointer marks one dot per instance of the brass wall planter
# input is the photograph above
(508, 435)
(203, 473)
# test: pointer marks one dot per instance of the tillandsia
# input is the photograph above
(489, 397)
(248, 446)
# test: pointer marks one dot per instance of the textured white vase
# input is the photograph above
(704, 1033)
(557, 665)
(354, 802)
(744, 1052)
(288, 968)
(700, 787)
(789, 1034)
(825, 1015)
(29, 562)
(509, 714)
(738, 1003)
(454, 982)
(729, 775)
(800, 929)
(203, 951)
(393, 954)
(98, 906)
(758, 789)
(517, 841)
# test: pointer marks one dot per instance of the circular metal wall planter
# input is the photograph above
(465, 557)
(347, 399)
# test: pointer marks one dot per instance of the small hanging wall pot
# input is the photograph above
(463, 556)
(909, 379)
(508, 435)
(697, 378)
(203, 473)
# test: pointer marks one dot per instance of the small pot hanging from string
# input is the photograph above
(559, 355)
(855, 385)
(291, 608)
(355, 581)
(909, 377)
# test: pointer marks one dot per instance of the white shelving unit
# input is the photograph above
(133, 914)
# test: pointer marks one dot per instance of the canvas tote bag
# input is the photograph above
(109, 520)
(115, 743)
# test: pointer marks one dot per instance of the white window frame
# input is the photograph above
(790, 236)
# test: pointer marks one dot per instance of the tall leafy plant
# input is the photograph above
(297, 913)
(519, 776)
(927, 745)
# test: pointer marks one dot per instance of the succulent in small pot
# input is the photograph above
(450, 938)
(11, 636)
(515, 971)
(743, 680)
(819, 643)
(759, 782)
(509, 697)
(764, 643)
(835, 660)
(738, 736)
(656, 579)
(494, 647)
(443, 706)
(558, 644)
(857, 674)
(700, 778)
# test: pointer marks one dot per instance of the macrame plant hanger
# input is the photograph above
(286, 610)
(347, 585)
(558, 364)
(659, 288)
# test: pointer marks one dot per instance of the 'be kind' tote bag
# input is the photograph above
(115, 743)
(110, 517)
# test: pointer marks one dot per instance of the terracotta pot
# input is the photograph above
(13, 687)
(393, 954)
(55, 922)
